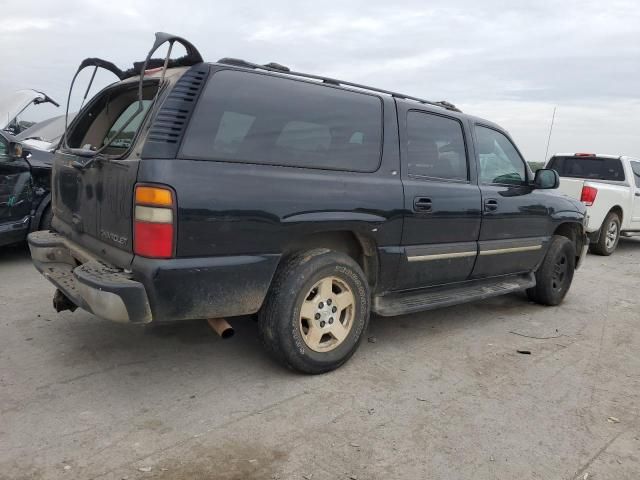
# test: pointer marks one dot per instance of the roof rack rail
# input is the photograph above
(278, 68)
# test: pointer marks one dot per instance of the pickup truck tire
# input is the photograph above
(609, 236)
(316, 311)
(555, 274)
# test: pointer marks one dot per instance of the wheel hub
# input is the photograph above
(326, 314)
(612, 234)
(559, 272)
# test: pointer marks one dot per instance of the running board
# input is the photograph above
(393, 304)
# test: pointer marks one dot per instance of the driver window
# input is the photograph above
(498, 159)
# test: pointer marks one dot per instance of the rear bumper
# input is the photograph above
(101, 289)
(158, 290)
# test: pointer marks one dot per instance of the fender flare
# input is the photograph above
(35, 221)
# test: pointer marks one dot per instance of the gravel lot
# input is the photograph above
(438, 395)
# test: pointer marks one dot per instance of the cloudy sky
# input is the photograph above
(509, 61)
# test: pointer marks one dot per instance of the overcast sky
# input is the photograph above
(508, 61)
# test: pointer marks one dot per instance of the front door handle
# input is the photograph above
(490, 205)
(637, 194)
(422, 204)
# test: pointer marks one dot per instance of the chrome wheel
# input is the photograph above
(327, 314)
(612, 235)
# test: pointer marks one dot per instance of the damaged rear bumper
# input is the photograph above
(90, 284)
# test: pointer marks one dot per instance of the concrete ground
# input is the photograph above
(438, 395)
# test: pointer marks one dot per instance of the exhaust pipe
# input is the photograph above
(61, 302)
(221, 327)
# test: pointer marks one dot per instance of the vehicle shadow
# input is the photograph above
(164, 352)
(18, 251)
(628, 244)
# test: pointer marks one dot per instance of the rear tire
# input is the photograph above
(555, 274)
(316, 312)
(609, 236)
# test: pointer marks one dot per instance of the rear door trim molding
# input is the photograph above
(440, 251)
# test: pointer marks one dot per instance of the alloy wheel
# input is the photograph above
(612, 235)
(327, 314)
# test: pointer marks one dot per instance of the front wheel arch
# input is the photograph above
(574, 232)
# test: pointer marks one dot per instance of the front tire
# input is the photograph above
(609, 236)
(316, 312)
(555, 274)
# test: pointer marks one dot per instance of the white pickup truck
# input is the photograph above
(609, 185)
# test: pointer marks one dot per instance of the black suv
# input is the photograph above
(210, 190)
(25, 179)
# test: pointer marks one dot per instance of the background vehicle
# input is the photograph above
(25, 184)
(225, 189)
(12, 108)
(44, 135)
(609, 185)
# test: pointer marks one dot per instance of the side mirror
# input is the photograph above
(16, 150)
(546, 178)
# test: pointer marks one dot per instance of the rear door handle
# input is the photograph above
(422, 204)
(490, 205)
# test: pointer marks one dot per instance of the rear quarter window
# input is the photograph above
(635, 167)
(255, 118)
(593, 168)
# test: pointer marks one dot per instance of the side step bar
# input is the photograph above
(393, 304)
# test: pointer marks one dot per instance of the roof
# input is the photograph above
(285, 71)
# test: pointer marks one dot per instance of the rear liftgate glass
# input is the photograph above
(134, 113)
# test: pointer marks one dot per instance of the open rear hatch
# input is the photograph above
(95, 169)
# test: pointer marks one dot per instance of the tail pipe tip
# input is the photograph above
(61, 302)
(221, 327)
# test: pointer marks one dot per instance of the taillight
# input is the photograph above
(588, 195)
(153, 222)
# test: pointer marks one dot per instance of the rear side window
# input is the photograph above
(635, 166)
(435, 147)
(594, 168)
(254, 118)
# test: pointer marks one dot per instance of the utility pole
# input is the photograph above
(553, 117)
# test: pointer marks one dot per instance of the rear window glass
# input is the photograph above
(253, 118)
(588, 167)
